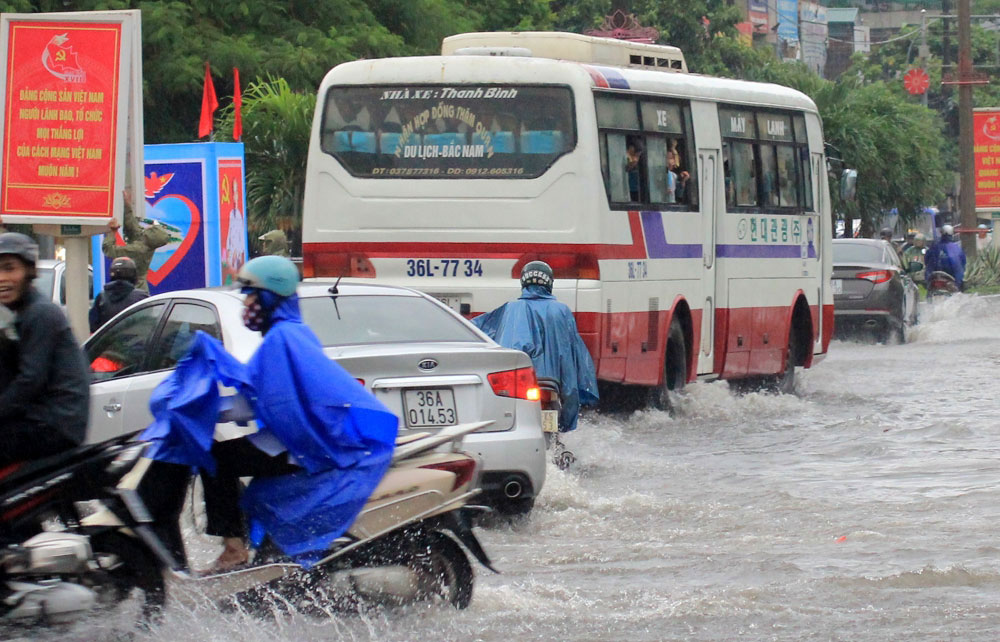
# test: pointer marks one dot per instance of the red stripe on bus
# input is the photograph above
(433, 250)
(597, 77)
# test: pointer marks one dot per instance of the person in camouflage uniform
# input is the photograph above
(140, 243)
(274, 242)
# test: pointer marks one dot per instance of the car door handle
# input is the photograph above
(112, 407)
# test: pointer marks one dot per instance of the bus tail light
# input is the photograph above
(339, 264)
(875, 276)
(519, 384)
(564, 266)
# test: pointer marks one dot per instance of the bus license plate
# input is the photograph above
(429, 407)
(837, 286)
(550, 421)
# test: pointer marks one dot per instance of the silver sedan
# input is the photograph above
(421, 359)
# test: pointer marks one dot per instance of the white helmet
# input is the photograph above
(947, 229)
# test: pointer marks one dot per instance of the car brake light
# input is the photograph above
(361, 381)
(463, 470)
(519, 384)
(564, 266)
(339, 264)
(875, 276)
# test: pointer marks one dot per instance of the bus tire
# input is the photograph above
(784, 383)
(665, 396)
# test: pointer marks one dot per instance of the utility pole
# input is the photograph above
(946, 37)
(924, 53)
(967, 198)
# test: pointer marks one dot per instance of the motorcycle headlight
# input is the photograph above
(123, 460)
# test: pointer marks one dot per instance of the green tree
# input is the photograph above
(276, 126)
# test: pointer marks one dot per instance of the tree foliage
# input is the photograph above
(870, 123)
(276, 126)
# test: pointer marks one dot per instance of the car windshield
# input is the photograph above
(857, 253)
(373, 319)
(44, 281)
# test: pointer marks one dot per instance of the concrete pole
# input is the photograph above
(967, 198)
(923, 51)
(77, 299)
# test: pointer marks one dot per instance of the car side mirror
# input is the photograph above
(915, 266)
(848, 184)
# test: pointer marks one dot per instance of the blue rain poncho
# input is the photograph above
(545, 329)
(337, 431)
(945, 255)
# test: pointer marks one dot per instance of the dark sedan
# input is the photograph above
(872, 291)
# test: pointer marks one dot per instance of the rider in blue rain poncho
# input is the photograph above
(323, 444)
(545, 329)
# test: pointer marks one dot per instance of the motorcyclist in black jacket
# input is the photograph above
(44, 379)
(118, 294)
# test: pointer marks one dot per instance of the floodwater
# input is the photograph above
(863, 508)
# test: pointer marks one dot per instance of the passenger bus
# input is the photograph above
(686, 217)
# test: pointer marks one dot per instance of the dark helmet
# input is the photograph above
(272, 273)
(124, 268)
(886, 233)
(537, 273)
(20, 246)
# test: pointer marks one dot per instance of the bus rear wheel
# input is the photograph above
(666, 395)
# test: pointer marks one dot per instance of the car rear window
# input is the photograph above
(374, 319)
(857, 253)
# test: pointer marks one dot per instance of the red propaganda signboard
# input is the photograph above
(61, 113)
(916, 81)
(986, 152)
(232, 218)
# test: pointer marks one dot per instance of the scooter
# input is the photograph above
(941, 284)
(551, 407)
(80, 531)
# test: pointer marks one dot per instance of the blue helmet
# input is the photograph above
(272, 273)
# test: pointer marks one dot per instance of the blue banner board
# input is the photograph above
(189, 189)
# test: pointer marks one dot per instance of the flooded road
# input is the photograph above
(866, 507)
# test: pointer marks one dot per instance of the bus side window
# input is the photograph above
(788, 180)
(805, 176)
(661, 188)
(744, 169)
(617, 162)
(727, 172)
(769, 176)
(635, 150)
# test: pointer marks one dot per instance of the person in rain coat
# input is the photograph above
(545, 329)
(946, 255)
(323, 444)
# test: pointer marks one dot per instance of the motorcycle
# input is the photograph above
(940, 284)
(551, 406)
(81, 530)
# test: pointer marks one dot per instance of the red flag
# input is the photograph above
(209, 103)
(237, 106)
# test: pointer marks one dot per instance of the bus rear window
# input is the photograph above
(448, 131)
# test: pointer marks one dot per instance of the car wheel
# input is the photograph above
(665, 396)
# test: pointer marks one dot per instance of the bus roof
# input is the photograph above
(567, 46)
(435, 70)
